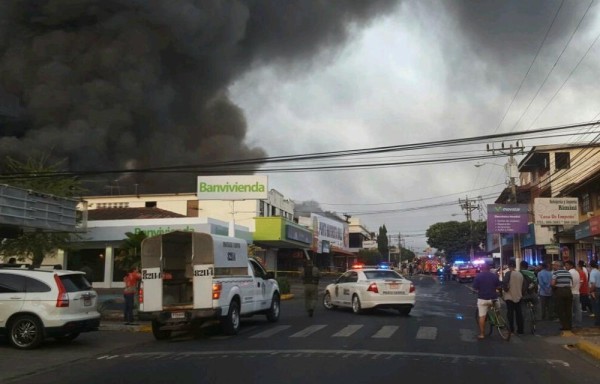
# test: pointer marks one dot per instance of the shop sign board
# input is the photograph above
(508, 218)
(556, 210)
(252, 187)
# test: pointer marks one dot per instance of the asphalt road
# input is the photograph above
(435, 343)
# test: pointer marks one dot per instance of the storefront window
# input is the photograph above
(90, 261)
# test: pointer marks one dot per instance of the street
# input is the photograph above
(435, 343)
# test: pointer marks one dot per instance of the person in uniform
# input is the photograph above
(310, 278)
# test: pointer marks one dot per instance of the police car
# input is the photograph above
(364, 287)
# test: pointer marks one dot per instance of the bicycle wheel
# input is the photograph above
(501, 325)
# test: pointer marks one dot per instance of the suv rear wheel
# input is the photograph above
(26, 332)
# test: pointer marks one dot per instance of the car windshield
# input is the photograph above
(373, 275)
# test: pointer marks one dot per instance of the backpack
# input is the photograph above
(528, 288)
(529, 285)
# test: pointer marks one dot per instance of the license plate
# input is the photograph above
(87, 302)
(393, 285)
(178, 315)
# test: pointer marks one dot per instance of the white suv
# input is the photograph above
(37, 303)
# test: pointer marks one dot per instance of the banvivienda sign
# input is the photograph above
(232, 187)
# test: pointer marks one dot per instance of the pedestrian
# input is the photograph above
(486, 284)
(576, 305)
(310, 279)
(411, 269)
(584, 288)
(545, 292)
(513, 292)
(131, 281)
(563, 298)
(89, 273)
(595, 291)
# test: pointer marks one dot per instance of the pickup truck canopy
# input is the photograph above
(174, 250)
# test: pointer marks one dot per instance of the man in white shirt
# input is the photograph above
(570, 266)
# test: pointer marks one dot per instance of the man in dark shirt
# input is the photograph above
(486, 284)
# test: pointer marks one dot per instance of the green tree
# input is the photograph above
(130, 252)
(383, 242)
(406, 255)
(454, 237)
(38, 244)
(369, 256)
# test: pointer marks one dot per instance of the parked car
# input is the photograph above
(366, 288)
(36, 304)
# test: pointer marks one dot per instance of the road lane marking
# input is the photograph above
(348, 330)
(270, 332)
(344, 353)
(308, 331)
(385, 332)
(427, 333)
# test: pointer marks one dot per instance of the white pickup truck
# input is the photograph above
(190, 277)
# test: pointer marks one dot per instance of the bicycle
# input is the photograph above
(531, 311)
(495, 319)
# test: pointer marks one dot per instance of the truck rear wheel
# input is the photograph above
(158, 334)
(273, 313)
(231, 322)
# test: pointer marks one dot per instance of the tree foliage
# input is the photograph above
(382, 242)
(406, 255)
(36, 245)
(369, 256)
(453, 237)
(130, 252)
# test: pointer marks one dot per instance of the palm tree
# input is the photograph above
(130, 251)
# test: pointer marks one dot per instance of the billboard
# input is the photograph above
(556, 210)
(254, 187)
(508, 218)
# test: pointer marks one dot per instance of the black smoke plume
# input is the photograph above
(130, 84)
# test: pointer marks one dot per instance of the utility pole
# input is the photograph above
(512, 172)
(469, 205)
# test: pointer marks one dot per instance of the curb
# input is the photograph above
(287, 296)
(591, 349)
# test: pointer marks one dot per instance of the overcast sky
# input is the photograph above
(127, 85)
(428, 71)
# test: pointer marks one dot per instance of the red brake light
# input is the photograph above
(216, 290)
(358, 266)
(63, 297)
(141, 293)
(373, 288)
(412, 288)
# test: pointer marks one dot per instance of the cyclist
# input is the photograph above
(486, 284)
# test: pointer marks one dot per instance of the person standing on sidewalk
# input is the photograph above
(584, 288)
(595, 291)
(513, 292)
(563, 298)
(131, 285)
(310, 278)
(545, 292)
(576, 305)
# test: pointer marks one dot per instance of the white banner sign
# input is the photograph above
(252, 187)
(556, 210)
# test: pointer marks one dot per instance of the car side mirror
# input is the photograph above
(270, 275)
